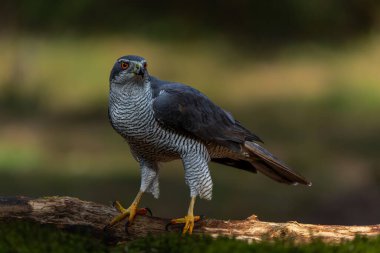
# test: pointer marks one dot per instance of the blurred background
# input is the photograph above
(302, 75)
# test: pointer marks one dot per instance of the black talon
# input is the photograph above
(182, 227)
(167, 226)
(114, 204)
(149, 211)
(126, 227)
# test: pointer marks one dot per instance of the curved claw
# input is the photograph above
(167, 226)
(179, 226)
(127, 224)
(181, 223)
(116, 204)
(149, 211)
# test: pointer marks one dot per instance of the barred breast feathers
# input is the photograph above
(132, 116)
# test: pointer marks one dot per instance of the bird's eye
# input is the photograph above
(124, 65)
(145, 65)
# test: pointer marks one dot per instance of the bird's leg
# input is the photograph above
(188, 220)
(130, 212)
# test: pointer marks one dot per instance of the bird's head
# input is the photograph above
(128, 69)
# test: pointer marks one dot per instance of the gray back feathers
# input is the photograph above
(163, 121)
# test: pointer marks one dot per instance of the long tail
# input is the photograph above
(271, 166)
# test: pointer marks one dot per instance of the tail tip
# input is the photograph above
(307, 184)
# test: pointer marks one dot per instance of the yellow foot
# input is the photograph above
(188, 220)
(130, 212)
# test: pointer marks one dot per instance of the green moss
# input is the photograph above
(177, 244)
(29, 237)
(33, 238)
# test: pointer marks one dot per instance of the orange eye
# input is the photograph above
(124, 65)
(145, 65)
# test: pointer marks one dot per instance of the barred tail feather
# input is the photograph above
(271, 166)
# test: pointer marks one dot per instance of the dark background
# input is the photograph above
(303, 75)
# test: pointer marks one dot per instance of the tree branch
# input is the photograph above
(69, 213)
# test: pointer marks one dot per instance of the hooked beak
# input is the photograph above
(139, 70)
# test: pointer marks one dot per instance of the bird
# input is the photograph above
(164, 121)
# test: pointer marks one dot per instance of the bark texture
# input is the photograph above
(69, 214)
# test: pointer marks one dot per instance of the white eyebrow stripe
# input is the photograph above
(135, 62)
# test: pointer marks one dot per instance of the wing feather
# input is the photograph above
(185, 109)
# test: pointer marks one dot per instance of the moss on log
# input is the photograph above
(73, 214)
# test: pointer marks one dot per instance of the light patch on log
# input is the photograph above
(68, 213)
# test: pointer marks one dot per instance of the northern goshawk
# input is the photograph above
(163, 121)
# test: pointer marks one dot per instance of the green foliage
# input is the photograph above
(274, 21)
(32, 238)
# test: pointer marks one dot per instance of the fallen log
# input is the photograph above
(70, 214)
